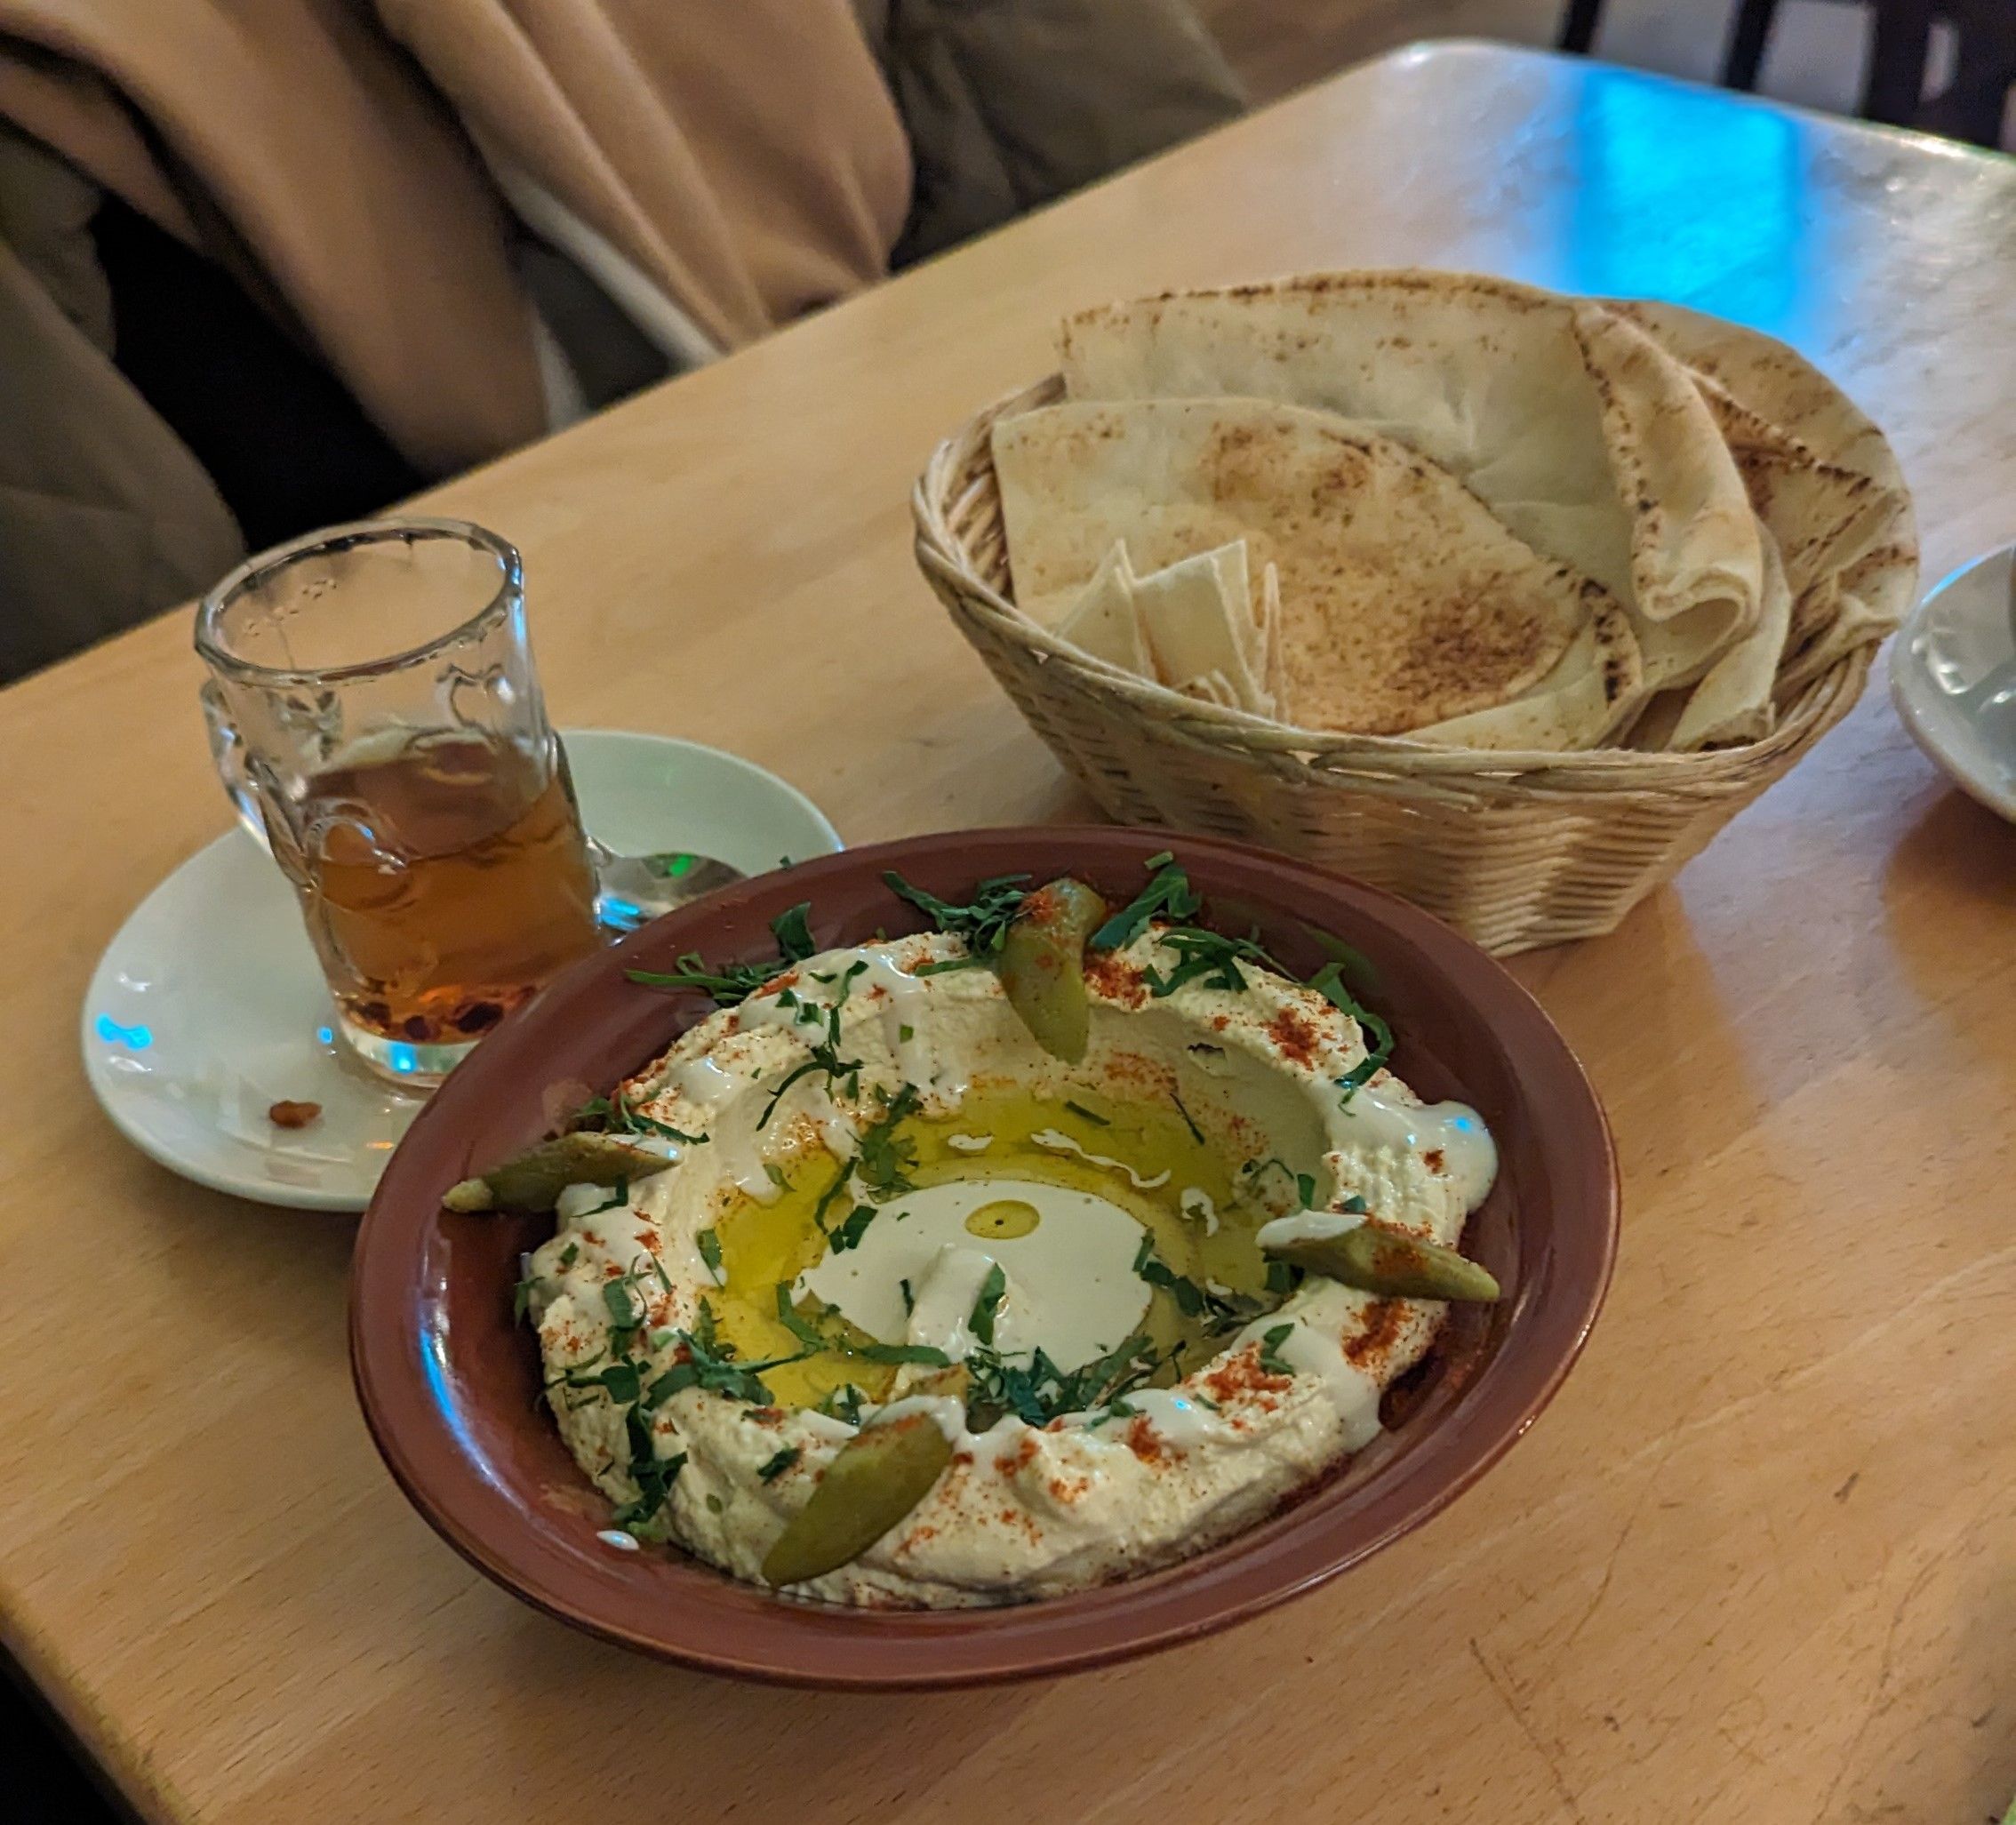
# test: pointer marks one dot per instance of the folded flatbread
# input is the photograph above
(1197, 616)
(1402, 600)
(1571, 425)
(1733, 703)
(1101, 619)
(1822, 479)
(1195, 625)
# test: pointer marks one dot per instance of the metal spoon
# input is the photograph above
(633, 890)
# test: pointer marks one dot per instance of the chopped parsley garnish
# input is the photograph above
(570, 1254)
(777, 1466)
(1089, 1114)
(803, 1328)
(1218, 960)
(825, 1061)
(822, 1336)
(883, 1160)
(733, 983)
(654, 1476)
(625, 1306)
(1221, 1310)
(906, 1033)
(994, 1289)
(777, 1175)
(1280, 1278)
(612, 1114)
(1190, 1121)
(982, 922)
(709, 1246)
(881, 1163)
(848, 1234)
(1271, 1340)
(823, 1057)
(522, 1297)
(717, 1370)
(793, 931)
(910, 1298)
(843, 1402)
(899, 1353)
(1167, 895)
(1329, 982)
(1209, 956)
(1303, 1182)
(1036, 1390)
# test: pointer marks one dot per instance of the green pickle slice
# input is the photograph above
(1042, 965)
(1394, 1266)
(533, 1179)
(874, 1481)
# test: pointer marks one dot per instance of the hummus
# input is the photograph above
(875, 1133)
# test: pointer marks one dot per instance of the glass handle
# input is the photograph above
(227, 749)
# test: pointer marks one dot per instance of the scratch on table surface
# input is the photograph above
(1879, 1699)
(1842, 1494)
(1631, 1521)
(1502, 1688)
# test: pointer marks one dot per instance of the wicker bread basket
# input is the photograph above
(1514, 850)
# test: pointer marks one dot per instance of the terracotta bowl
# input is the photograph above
(449, 1382)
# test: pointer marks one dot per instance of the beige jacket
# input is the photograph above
(743, 156)
(486, 215)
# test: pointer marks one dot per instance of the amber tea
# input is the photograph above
(443, 884)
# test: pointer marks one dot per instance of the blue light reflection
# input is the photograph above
(133, 1038)
(1689, 196)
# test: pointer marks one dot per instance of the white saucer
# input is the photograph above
(209, 1007)
(1953, 674)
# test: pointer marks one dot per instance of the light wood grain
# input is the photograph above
(1757, 1562)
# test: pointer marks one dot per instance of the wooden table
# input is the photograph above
(1759, 1562)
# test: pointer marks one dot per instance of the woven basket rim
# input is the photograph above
(943, 556)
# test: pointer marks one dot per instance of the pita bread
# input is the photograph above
(1103, 621)
(1592, 693)
(1573, 425)
(1191, 624)
(1275, 662)
(1733, 703)
(1771, 380)
(1198, 616)
(1846, 525)
(1402, 600)
(1849, 574)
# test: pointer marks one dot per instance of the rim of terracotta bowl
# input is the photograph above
(448, 1381)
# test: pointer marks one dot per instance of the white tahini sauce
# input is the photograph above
(1195, 1203)
(1072, 1287)
(947, 1288)
(1056, 1141)
(1374, 1117)
(1307, 1225)
(867, 972)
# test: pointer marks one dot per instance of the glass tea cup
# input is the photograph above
(374, 713)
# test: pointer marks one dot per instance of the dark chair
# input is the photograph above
(1893, 89)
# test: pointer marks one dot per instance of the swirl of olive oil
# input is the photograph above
(763, 1244)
